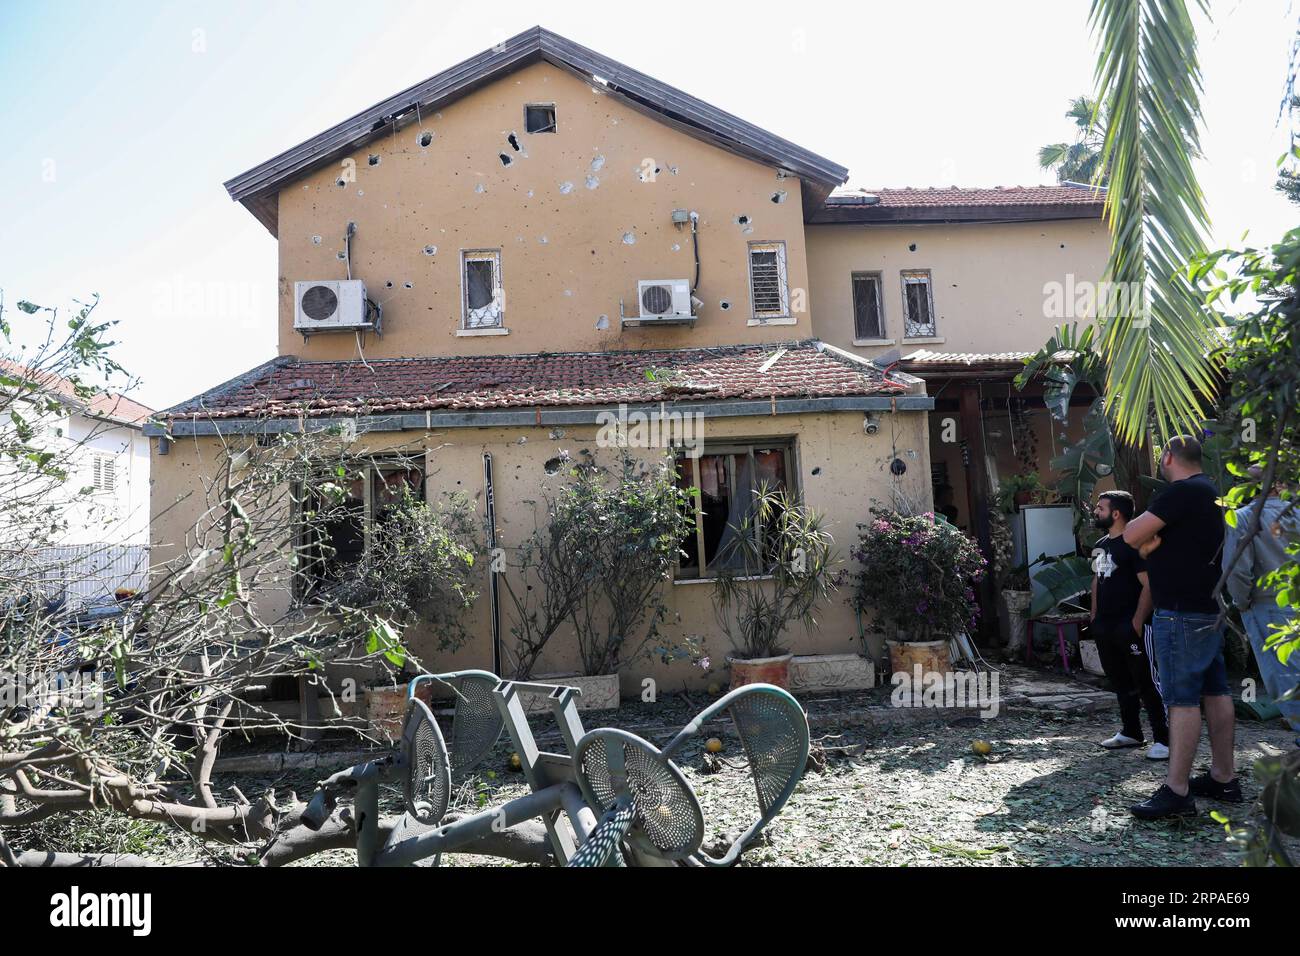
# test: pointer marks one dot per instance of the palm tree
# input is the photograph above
(1080, 161)
(1158, 343)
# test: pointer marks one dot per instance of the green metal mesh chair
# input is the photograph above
(615, 769)
(601, 848)
(773, 732)
(427, 769)
(476, 724)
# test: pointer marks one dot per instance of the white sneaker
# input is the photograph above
(1119, 741)
(1158, 752)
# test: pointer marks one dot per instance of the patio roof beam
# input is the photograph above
(538, 417)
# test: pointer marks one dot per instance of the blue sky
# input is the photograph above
(122, 120)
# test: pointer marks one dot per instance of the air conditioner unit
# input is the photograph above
(663, 302)
(333, 305)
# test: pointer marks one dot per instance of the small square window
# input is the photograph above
(539, 118)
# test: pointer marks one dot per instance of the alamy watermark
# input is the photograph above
(1085, 299)
(656, 428)
(971, 689)
(67, 690)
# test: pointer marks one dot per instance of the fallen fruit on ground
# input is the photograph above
(713, 745)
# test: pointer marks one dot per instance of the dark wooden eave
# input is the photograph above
(259, 187)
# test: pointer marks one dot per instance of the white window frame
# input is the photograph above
(783, 285)
(495, 310)
(912, 329)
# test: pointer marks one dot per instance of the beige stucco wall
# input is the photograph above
(841, 470)
(565, 262)
(987, 279)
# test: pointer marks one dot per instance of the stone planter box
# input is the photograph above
(819, 673)
(761, 670)
(598, 693)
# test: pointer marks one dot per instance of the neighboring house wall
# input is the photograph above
(987, 280)
(118, 513)
(841, 470)
(565, 263)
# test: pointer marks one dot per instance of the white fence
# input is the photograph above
(88, 573)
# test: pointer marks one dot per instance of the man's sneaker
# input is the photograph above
(1120, 741)
(1164, 803)
(1207, 786)
(1158, 751)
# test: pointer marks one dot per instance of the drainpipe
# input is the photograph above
(493, 595)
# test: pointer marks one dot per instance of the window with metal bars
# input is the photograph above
(918, 305)
(868, 319)
(767, 287)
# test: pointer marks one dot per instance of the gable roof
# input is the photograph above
(257, 188)
(288, 387)
(962, 204)
(109, 406)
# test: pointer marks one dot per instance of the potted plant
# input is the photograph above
(917, 578)
(608, 551)
(773, 571)
(1012, 582)
(1018, 490)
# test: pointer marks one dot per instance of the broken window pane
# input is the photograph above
(336, 539)
(727, 483)
(482, 290)
(867, 322)
(539, 118)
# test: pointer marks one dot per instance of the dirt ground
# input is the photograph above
(900, 794)
(1047, 795)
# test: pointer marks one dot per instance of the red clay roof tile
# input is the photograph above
(290, 386)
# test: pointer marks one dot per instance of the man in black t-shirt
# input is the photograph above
(1181, 537)
(1121, 607)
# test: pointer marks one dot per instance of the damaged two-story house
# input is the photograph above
(477, 269)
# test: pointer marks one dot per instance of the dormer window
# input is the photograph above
(539, 118)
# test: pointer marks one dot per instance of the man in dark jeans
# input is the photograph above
(1181, 537)
(1121, 607)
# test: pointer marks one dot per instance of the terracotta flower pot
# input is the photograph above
(761, 670)
(932, 656)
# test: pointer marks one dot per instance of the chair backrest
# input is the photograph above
(613, 766)
(601, 848)
(426, 768)
(476, 724)
(773, 732)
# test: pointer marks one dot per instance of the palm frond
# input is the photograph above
(1157, 345)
